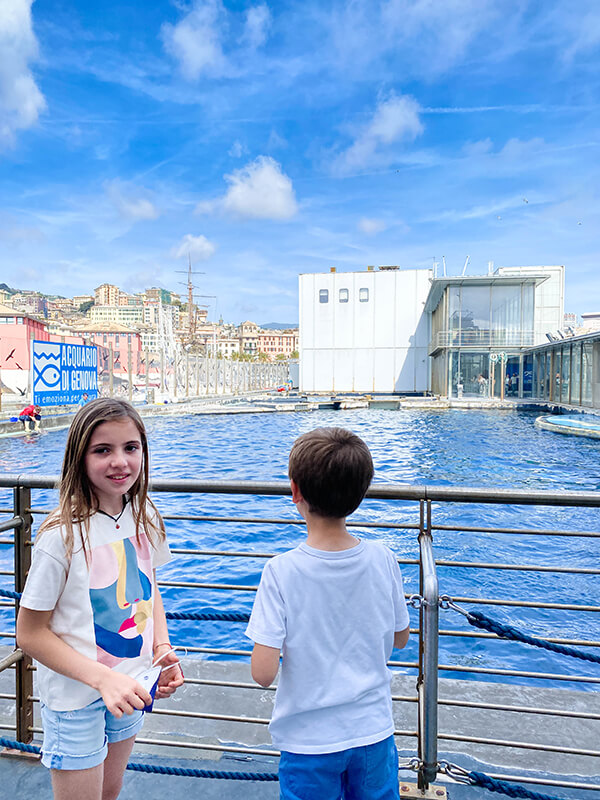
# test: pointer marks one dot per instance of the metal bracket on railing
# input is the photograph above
(413, 764)
(446, 602)
(456, 773)
(11, 659)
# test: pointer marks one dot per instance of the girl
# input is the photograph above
(91, 613)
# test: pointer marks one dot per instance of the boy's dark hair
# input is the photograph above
(333, 469)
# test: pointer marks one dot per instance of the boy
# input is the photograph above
(335, 608)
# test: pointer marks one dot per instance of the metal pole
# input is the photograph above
(187, 374)
(147, 362)
(427, 684)
(129, 369)
(23, 668)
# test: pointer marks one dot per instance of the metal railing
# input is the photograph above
(472, 337)
(413, 511)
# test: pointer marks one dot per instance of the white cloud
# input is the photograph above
(520, 150)
(258, 22)
(371, 226)
(236, 150)
(260, 190)
(276, 142)
(394, 120)
(21, 101)
(483, 147)
(195, 41)
(198, 248)
(131, 202)
(439, 34)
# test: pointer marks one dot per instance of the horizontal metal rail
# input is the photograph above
(544, 781)
(514, 531)
(545, 748)
(441, 562)
(483, 635)
(11, 524)
(548, 712)
(378, 491)
(364, 524)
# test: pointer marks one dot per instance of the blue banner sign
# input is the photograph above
(63, 373)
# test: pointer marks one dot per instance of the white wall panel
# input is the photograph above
(363, 370)
(383, 372)
(343, 370)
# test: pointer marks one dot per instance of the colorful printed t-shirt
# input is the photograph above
(104, 611)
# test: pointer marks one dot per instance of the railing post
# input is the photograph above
(427, 685)
(24, 673)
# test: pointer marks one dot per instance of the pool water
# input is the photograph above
(492, 449)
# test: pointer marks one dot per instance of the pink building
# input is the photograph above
(278, 343)
(17, 331)
(123, 341)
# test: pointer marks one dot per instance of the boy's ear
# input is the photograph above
(296, 493)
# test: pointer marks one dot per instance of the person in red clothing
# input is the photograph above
(30, 417)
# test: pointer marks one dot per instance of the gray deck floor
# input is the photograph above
(27, 779)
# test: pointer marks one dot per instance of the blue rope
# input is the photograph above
(25, 748)
(206, 616)
(159, 769)
(12, 595)
(479, 620)
(503, 787)
(232, 616)
(203, 773)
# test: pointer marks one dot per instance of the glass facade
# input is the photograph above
(482, 345)
(563, 373)
(586, 374)
(489, 315)
(478, 325)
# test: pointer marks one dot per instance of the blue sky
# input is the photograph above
(270, 139)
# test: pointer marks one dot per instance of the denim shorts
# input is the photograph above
(359, 773)
(79, 739)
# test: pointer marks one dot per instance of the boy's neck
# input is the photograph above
(325, 533)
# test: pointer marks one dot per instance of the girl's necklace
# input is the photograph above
(118, 517)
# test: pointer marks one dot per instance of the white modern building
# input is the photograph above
(364, 331)
(397, 330)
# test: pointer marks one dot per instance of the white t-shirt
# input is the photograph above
(103, 611)
(333, 615)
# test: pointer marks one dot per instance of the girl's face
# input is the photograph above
(113, 462)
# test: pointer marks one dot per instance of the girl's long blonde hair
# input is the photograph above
(77, 501)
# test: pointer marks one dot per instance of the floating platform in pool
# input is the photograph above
(575, 424)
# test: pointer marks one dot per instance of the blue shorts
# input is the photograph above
(359, 773)
(79, 739)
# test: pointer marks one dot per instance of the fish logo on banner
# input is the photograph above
(46, 367)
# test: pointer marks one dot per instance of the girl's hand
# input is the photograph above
(121, 693)
(170, 679)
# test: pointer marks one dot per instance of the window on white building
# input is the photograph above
(363, 295)
(323, 295)
(344, 295)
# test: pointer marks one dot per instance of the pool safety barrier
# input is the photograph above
(428, 601)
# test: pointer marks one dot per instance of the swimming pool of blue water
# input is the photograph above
(468, 448)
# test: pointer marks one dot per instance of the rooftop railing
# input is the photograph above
(423, 515)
